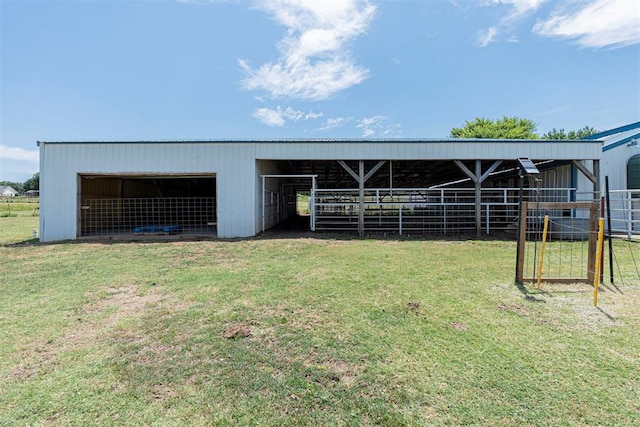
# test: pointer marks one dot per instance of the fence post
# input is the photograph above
(629, 215)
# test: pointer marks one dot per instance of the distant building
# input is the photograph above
(7, 191)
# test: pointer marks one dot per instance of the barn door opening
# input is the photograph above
(283, 197)
(147, 205)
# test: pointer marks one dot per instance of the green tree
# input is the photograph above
(504, 128)
(574, 134)
(32, 183)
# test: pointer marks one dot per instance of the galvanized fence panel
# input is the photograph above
(168, 215)
(625, 213)
(425, 210)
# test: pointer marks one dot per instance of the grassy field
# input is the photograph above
(306, 331)
(18, 206)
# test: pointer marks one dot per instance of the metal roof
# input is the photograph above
(617, 137)
(327, 140)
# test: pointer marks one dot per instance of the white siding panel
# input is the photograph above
(431, 150)
(614, 164)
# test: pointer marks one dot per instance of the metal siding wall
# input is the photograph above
(263, 167)
(233, 165)
(614, 163)
(438, 150)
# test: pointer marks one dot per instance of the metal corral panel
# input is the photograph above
(61, 165)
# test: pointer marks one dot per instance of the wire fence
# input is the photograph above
(566, 251)
(169, 215)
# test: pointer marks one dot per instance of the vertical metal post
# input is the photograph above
(312, 203)
(400, 218)
(608, 200)
(629, 215)
(478, 184)
(264, 178)
(391, 178)
(361, 198)
(487, 219)
(518, 247)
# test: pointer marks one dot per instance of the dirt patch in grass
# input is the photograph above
(514, 308)
(121, 302)
(238, 330)
(459, 326)
(98, 317)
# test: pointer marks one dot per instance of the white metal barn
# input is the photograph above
(241, 188)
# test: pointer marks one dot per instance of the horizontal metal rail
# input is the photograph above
(625, 212)
(426, 210)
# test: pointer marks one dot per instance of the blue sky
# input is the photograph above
(205, 69)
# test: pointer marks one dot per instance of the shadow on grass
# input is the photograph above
(610, 317)
(528, 295)
(297, 228)
(22, 243)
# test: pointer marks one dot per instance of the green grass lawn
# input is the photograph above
(339, 332)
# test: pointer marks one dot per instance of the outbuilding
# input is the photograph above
(7, 191)
(240, 188)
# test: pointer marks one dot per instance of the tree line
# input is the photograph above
(32, 183)
(514, 128)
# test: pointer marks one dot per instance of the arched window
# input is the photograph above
(633, 173)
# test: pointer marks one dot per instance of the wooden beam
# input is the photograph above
(564, 205)
(582, 168)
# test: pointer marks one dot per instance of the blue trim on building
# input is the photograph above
(623, 141)
(609, 132)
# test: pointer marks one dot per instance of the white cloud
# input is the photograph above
(269, 117)
(597, 23)
(592, 23)
(201, 1)
(485, 37)
(377, 127)
(315, 62)
(518, 9)
(334, 122)
(277, 117)
(16, 153)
